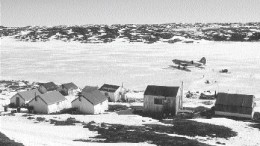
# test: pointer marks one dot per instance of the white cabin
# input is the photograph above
(92, 102)
(112, 92)
(50, 102)
(22, 98)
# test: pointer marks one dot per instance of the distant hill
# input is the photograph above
(146, 33)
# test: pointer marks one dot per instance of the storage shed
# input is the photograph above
(114, 93)
(22, 98)
(92, 102)
(160, 100)
(49, 102)
(236, 105)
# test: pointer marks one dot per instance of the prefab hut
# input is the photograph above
(50, 102)
(114, 93)
(160, 100)
(236, 105)
(92, 102)
(46, 87)
(69, 89)
(22, 98)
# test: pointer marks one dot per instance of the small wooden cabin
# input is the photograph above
(69, 89)
(46, 87)
(22, 98)
(160, 100)
(92, 102)
(236, 105)
(49, 102)
(114, 93)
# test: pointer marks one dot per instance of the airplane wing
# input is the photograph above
(177, 68)
(201, 67)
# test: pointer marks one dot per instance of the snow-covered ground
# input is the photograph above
(29, 133)
(136, 65)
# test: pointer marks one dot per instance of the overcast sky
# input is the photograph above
(80, 12)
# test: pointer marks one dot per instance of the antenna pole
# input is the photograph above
(181, 100)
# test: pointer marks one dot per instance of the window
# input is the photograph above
(158, 101)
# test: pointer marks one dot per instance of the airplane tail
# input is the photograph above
(203, 60)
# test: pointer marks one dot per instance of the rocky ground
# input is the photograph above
(168, 33)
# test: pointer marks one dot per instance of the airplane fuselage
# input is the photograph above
(187, 63)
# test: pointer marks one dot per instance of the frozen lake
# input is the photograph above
(134, 65)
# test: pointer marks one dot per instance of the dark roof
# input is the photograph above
(52, 97)
(89, 88)
(165, 91)
(28, 95)
(241, 100)
(69, 86)
(109, 88)
(95, 97)
(50, 86)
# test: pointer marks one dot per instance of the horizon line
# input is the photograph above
(135, 24)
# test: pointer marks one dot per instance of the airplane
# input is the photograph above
(184, 63)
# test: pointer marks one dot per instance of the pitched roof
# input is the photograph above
(241, 100)
(69, 86)
(89, 88)
(50, 86)
(52, 97)
(95, 97)
(109, 88)
(161, 91)
(28, 95)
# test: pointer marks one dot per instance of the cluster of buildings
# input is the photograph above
(50, 98)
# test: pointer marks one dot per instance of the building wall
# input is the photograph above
(234, 109)
(150, 107)
(64, 90)
(120, 94)
(72, 91)
(13, 100)
(115, 96)
(105, 105)
(221, 113)
(110, 95)
(83, 106)
(39, 106)
(101, 107)
(56, 107)
(170, 105)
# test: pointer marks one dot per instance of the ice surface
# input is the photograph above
(135, 64)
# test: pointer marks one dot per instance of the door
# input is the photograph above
(17, 101)
(167, 106)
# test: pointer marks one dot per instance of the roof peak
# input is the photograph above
(166, 91)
